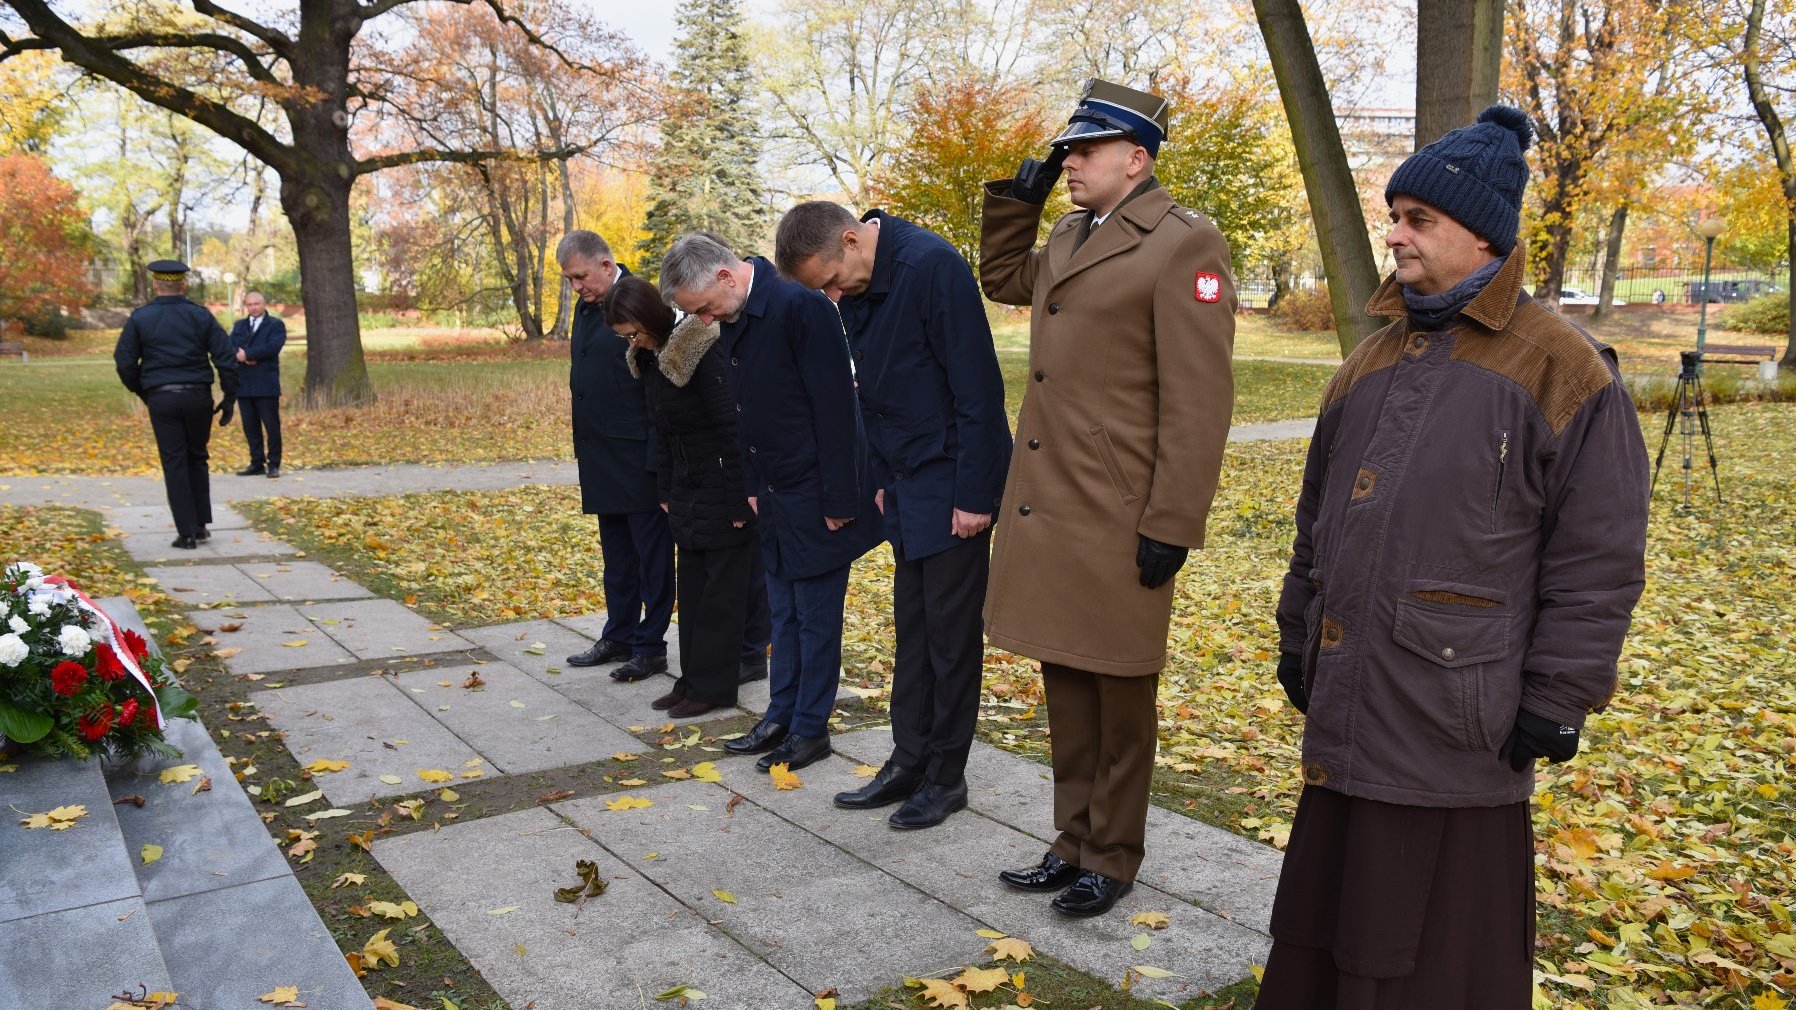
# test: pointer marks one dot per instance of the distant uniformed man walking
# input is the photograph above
(161, 356)
(1119, 446)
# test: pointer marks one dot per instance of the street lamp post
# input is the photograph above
(1710, 229)
(230, 280)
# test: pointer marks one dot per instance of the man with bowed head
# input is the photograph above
(1119, 450)
(1471, 537)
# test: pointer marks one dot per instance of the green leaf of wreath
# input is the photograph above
(25, 727)
(176, 702)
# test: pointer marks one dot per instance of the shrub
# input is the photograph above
(1764, 314)
(1305, 311)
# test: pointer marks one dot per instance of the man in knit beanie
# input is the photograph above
(1471, 537)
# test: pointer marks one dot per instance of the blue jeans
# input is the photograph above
(807, 649)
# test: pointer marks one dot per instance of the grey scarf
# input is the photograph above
(1434, 312)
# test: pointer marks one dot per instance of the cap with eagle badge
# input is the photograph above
(1111, 110)
(168, 270)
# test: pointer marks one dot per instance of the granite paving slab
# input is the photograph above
(540, 649)
(224, 545)
(617, 950)
(354, 720)
(255, 936)
(1208, 866)
(42, 870)
(210, 839)
(157, 519)
(381, 629)
(79, 957)
(518, 724)
(818, 914)
(273, 638)
(958, 861)
(625, 704)
(294, 581)
(209, 584)
(592, 625)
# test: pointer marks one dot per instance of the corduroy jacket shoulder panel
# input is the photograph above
(1470, 541)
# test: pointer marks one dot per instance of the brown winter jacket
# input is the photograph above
(1470, 540)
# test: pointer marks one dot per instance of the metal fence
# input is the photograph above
(1633, 285)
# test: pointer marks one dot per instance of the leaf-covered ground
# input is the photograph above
(1665, 849)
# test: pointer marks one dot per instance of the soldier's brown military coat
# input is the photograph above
(1123, 422)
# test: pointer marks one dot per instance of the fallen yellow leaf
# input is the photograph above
(866, 771)
(942, 993)
(448, 795)
(60, 819)
(282, 996)
(350, 880)
(378, 949)
(150, 853)
(227, 653)
(825, 1002)
(435, 775)
(179, 773)
(982, 979)
(724, 896)
(383, 1003)
(629, 803)
(391, 780)
(783, 779)
(392, 910)
(323, 765)
(632, 782)
(297, 643)
(706, 771)
(1152, 920)
(1012, 948)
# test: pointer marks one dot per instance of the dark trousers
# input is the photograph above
(261, 414)
(639, 580)
(1104, 731)
(936, 605)
(807, 649)
(182, 422)
(714, 592)
(757, 629)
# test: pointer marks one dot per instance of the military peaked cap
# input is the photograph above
(1111, 110)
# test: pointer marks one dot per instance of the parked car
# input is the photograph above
(1572, 296)
(1729, 290)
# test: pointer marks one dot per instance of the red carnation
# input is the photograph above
(109, 667)
(127, 714)
(135, 642)
(95, 724)
(67, 677)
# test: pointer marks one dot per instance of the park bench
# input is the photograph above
(1738, 354)
(12, 347)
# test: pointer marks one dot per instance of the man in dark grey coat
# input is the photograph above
(1471, 539)
(162, 357)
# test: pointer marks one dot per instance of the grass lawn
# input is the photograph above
(1665, 849)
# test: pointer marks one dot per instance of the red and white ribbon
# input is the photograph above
(117, 643)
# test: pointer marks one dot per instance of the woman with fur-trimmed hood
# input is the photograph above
(701, 488)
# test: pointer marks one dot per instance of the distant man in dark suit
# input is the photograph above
(617, 473)
(258, 338)
(932, 400)
(805, 463)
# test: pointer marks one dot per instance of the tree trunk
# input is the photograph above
(1605, 293)
(1459, 52)
(564, 302)
(1327, 177)
(1788, 363)
(318, 210)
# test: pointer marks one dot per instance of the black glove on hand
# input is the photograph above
(1290, 676)
(1159, 562)
(1036, 179)
(224, 409)
(1537, 737)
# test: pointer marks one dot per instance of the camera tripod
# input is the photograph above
(1690, 407)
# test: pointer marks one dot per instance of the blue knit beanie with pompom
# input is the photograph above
(1475, 174)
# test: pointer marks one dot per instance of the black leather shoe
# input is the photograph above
(892, 785)
(752, 670)
(764, 737)
(601, 652)
(203, 535)
(929, 806)
(640, 667)
(1051, 874)
(185, 543)
(274, 471)
(795, 752)
(251, 471)
(1092, 894)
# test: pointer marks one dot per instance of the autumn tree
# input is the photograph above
(964, 133)
(31, 106)
(44, 232)
(1767, 62)
(291, 91)
(706, 169)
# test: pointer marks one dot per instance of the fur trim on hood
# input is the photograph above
(678, 358)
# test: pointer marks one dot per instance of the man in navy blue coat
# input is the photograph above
(257, 340)
(932, 399)
(617, 473)
(806, 466)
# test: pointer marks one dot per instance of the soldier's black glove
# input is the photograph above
(224, 409)
(1537, 737)
(1290, 677)
(1159, 562)
(1036, 179)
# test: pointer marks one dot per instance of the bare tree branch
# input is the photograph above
(276, 40)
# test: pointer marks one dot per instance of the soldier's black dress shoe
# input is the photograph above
(929, 806)
(795, 752)
(1051, 874)
(764, 737)
(203, 535)
(274, 471)
(601, 652)
(1092, 894)
(893, 784)
(185, 543)
(640, 667)
(752, 670)
(251, 471)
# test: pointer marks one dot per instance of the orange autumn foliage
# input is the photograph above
(46, 238)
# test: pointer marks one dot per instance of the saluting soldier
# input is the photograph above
(1120, 442)
(161, 356)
